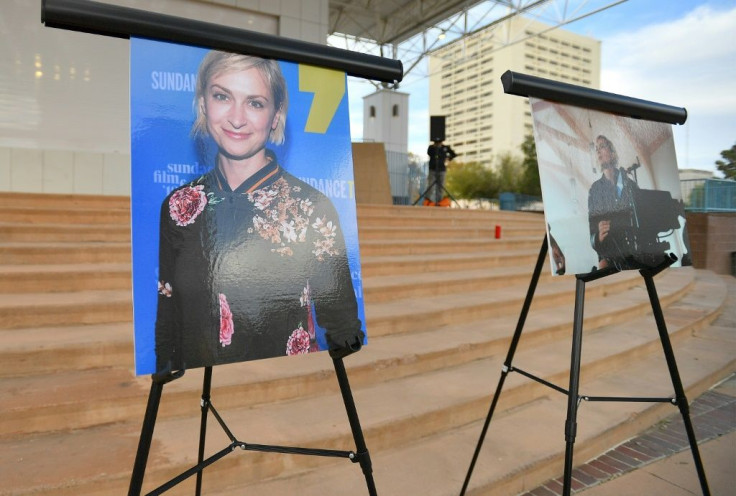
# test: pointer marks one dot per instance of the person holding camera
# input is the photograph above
(611, 210)
(438, 153)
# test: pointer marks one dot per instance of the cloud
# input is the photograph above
(688, 62)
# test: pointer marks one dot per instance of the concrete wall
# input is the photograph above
(371, 174)
(712, 240)
(64, 112)
(64, 171)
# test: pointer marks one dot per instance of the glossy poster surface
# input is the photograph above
(611, 190)
(245, 242)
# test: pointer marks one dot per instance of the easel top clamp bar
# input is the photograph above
(122, 22)
(515, 83)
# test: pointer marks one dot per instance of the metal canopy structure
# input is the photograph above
(390, 22)
(410, 29)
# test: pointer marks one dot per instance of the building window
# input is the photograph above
(395, 110)
(373, 111)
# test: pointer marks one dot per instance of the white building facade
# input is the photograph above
(465, 82)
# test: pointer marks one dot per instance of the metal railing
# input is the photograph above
(407, 180)
(709, 195)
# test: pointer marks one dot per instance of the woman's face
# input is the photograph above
(605, 157)
(240, 112)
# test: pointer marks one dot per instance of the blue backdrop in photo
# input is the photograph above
(163, 156)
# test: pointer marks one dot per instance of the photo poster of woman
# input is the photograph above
(244, 231)
(611, 190)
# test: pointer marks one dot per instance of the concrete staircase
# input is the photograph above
(442, 300)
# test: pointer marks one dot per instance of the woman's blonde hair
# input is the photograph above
(611, 148)
(216, 63)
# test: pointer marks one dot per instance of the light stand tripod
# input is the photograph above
(360, 456)
(429, 188)
(573, 398)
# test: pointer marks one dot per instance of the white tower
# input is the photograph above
(386, 119)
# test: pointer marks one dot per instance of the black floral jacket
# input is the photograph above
(245, 274)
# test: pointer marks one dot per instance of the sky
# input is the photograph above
(676, 52)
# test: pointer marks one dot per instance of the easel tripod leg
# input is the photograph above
(680, 398)
(571, 424)
(509, 358)
(205, 405)
(144, 443)
(364, 458)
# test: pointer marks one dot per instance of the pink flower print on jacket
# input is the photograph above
(227, 327)
(298, 343)
(186, 204)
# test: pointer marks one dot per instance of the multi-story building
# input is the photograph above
(465, 82)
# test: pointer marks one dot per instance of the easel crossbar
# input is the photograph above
(633, 399)
(583, 397)
(539, 380)
(298, 451)
(251, 447)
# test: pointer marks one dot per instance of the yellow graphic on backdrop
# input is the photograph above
(328, 87)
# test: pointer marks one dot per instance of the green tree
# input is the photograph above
(471, 180)
(530, 184)
(728, 165)
(509, 173)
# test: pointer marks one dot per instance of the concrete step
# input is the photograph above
(425, 246)
(442, 222)
(19, 311)
(371, 233)
(406, 421)
(439, 326)
(50, 215)
(403, 316)
(65, 201)
(38, 351)
(479, 216)
(64, 253)
(524, 446)
(64, 277)
(270, 381)
(49, 233)
(76, 347)
(378, 289)
(388, 265)
(526, 441)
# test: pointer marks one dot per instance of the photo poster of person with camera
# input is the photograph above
(611, 190)
(244, 231)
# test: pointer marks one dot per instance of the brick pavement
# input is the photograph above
(713, 414)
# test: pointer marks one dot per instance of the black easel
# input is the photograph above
(121, 22)
(573, 398)
(360, 455)
(424, 194)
